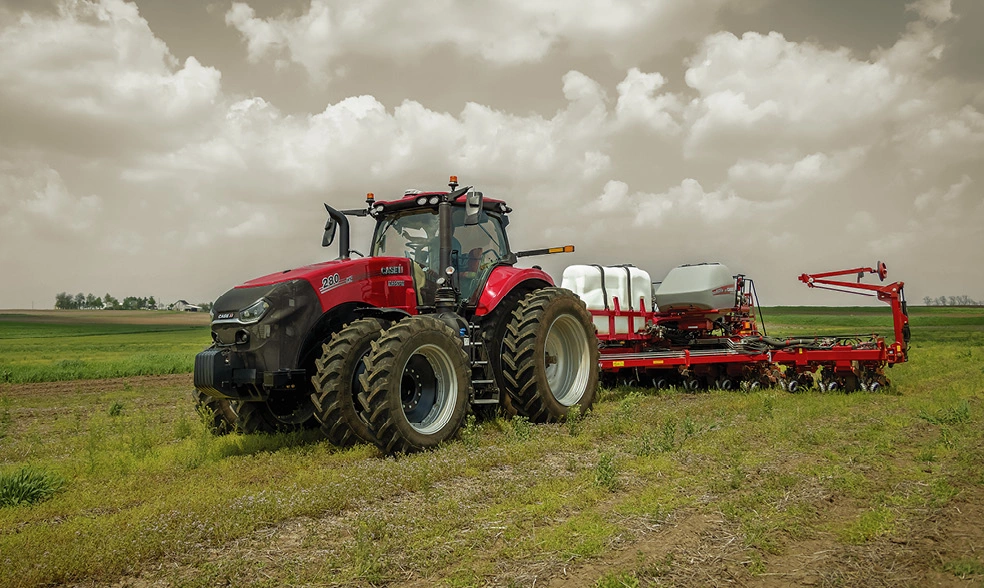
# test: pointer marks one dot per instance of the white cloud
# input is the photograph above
(936, 201)
(38, 199)
(358, 139)
(94, 76)
(799, 179)
(499, 32)
(638, 103)
(935, 11)
(762, 93)
(777, 157)
(687, 204)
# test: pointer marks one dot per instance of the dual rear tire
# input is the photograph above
(408, 388)
(550, 356)
(418, 383)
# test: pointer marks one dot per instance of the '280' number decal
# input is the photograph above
(330, 281)
(333, 281)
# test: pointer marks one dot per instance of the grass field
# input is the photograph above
(675, 489)
(65, 345)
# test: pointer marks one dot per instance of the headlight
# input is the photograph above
(255, 312)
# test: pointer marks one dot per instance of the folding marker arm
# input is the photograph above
(893, 294)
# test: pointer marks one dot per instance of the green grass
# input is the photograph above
(46, 352)
(646, 488)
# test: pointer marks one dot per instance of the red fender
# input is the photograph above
(503, 280)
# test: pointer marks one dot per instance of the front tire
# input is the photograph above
(336, 384)
(418, 383)
(215, 412)
(277, 414)
(550, 356)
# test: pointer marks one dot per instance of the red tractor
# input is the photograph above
(394, 348)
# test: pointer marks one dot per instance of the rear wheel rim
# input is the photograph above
(567, 358)
(428, 388)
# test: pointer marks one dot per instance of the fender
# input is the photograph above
(504, 279)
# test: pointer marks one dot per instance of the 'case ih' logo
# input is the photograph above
(723, 290)
(392, 270)
(225, 315)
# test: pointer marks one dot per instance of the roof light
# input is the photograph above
(379, 208)
(434, 199)
(411, 192)
(453, 180)
(370, 197)
(422, 200)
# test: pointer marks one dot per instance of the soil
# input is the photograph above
(100, 386)
(111, 317)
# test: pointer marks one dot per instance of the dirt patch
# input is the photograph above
(107, 317)
(76, 387)
(689, 549)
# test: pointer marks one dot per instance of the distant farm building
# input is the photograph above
(185, 306)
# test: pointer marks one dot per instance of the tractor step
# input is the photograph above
(485, 401)
(483, 382)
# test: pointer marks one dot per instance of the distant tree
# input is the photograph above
(90, 301)
(151, 303)
(962, 300)
(110, 301)
(206, 306)
(79, 301)
(63, 301)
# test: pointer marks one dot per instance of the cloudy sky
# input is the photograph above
(176, 148)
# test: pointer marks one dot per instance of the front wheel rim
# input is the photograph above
(428, 389)
(567, 359)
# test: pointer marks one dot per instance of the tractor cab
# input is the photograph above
(414, 233)
(454, 240)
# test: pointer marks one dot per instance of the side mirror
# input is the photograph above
(330, 227)
(473, 207)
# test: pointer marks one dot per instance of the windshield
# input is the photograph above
(411, 234)
(475, 249)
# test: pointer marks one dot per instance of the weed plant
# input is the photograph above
(28, 486)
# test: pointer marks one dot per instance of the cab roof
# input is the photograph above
(411, 200)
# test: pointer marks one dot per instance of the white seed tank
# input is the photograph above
(704, 286)
(598, 286)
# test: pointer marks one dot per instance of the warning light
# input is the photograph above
(453, 180)
(370, 197)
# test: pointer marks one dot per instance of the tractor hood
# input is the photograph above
(311, 273)
(369, 281)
